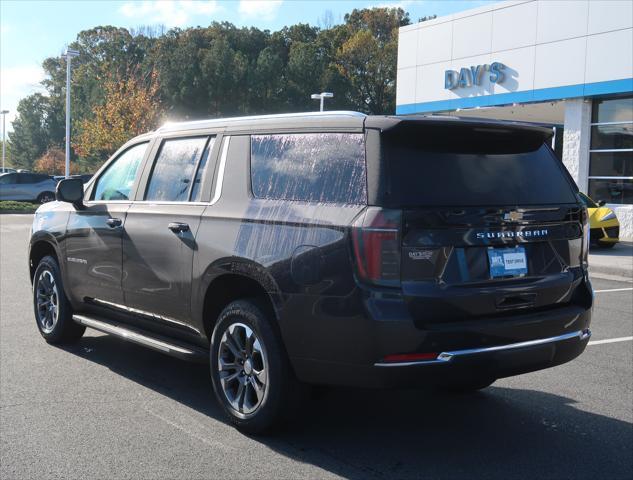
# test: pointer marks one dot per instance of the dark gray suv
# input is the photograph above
(334, 248)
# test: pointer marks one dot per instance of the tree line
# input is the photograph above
(127, 82)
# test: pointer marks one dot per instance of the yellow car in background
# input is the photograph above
(604, 225)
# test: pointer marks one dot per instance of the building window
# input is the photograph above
(611, 160)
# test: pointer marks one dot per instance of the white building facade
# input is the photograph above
(568, 64)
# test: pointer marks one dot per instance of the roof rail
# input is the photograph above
(212, 121)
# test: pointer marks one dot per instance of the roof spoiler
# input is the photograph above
(462, 135)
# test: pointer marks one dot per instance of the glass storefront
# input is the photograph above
(611, 154)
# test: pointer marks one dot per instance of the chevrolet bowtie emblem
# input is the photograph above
(513, 216)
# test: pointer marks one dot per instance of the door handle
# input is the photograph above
(114, 222)
(177, 227)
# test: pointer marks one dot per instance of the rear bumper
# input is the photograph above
(520, 342)
(495, 362)
(456, 355)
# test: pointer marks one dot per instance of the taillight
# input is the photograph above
(376, 241)
(586, 230)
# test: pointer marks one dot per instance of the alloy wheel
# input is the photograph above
(47, 298)
(242, 366)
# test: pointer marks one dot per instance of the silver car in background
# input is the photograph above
(30, 187)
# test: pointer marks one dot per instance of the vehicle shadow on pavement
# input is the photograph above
(355, 433)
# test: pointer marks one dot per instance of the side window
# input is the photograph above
(30, 178)
(8, 179)
(173, 173)
(314, 167)
(117, 181)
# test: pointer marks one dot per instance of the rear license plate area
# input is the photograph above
(507, 262)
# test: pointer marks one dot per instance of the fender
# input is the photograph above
(46, 237)
(232, 266)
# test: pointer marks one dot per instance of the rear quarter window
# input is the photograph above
(310, 167)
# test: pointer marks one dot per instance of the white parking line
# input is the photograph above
(614, 290)
(611, 340)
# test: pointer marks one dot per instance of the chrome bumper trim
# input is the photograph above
(446, 357)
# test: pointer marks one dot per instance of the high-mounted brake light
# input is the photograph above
(376, 241)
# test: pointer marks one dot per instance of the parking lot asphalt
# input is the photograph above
(106, 409)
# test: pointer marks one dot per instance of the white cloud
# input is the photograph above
(403, 4)
(168, 12)
(16, 83)
(263, 9)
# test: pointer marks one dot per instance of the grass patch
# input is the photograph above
(11, 206)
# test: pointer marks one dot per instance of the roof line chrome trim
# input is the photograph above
(446, 357)
(220, 180)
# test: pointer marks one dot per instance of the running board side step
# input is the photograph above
(187, 352)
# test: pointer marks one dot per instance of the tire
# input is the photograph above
(45, 197)
(467, 386)
(255, 389)
(606, 245)
(53, 312)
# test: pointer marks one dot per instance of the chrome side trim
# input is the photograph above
(138, 338)
(145, 313)
(220, 179)
(446, 357)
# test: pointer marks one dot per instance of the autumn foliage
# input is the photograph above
(52, 162)
(131, 106)
(123, 79)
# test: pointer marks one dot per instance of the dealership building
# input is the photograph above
(566, 64)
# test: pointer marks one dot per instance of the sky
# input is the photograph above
(31, 31)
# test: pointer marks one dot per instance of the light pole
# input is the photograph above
(69, 55)
(4, 139)
(322, 96)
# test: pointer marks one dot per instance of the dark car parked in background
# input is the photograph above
(332, 248)
(31, 187)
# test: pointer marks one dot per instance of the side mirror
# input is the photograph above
(601, 203)
(71, 190)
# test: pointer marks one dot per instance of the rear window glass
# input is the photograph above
(420, 177)
(311, 167)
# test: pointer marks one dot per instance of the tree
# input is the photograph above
(223, 70)
(218, 70)
(367, 59)
(30, 136)
(53, 162)
(131, 107)
(7, 154)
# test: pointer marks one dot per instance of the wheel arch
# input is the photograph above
(40, 247)
(237, 280)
